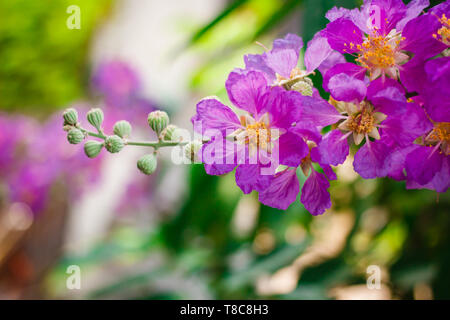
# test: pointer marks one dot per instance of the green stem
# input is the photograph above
(153, 144)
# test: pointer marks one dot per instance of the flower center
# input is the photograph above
(440, 135)
(377, 51)
(362, 122)
(443, 34)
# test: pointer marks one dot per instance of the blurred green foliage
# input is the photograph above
(200, 248)
(44, 64)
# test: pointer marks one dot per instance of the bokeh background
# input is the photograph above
(179, 234)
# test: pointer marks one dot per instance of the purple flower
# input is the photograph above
(270, 132)
(379, 111)
(280, 65)
(382, 35)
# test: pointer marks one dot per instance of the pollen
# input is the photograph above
(362, 122)
(258, 135)
(441, 132)
(443, 34)
(376, 52)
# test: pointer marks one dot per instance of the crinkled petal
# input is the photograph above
(315, 196)
(423, 163)
(290, 41)
(249, 178)
(333, 149)
(387, 97)
(340, 33)
(347, 68)
(345, 88)
(405, 127)
(292, 149)
(283, 107)
(317, 52)
(256, 62)
(418, 36)
(413, 9)
(318, 112)
(219, 156)
(332, 60)
(436, 92)
(213, 115)
(246, 89)
(371, 160)
(282, 191)
(282, 61)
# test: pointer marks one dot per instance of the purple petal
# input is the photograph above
(284, 107)
(256, 62)
(418, 34)
(413, 9)
(290, 41)
(317, 112)
(282, 191)
(371, 160)
(282, 61)
(315, 196)
(219, 156)
(332, 60)
(411, 75)
(345, 88)
(317, 52)
(213, 115)
(435, 92)
(333, 149)
(423, 163)
(387, 99)
(292, 149)
(348, 68)
(405, 127)
(249, 178)
(246, 89)
(340, 33)
(329, 173)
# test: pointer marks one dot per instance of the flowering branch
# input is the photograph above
(158, 121)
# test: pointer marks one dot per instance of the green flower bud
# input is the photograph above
(114, 144)
(171, 133)
(70, 116)
(93, 148)
(147, 164)
(158, 121)
(191, 151)
(95, 118)
(75, 136)
(122, 129)
(304, 87)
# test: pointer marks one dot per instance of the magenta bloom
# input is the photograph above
(428, 164)
(281, 64)
(378, 114)
(269, 133)
(383, 35)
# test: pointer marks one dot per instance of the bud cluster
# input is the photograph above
(168, 135)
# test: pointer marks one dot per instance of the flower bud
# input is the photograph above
(158, 121)
(114, 144)
(122, 129)
(75, 136)
(191, 151)
(147, 164)
(70, 116)
(170, 133)
(303, 86)
(95, 118)
(92, 148)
